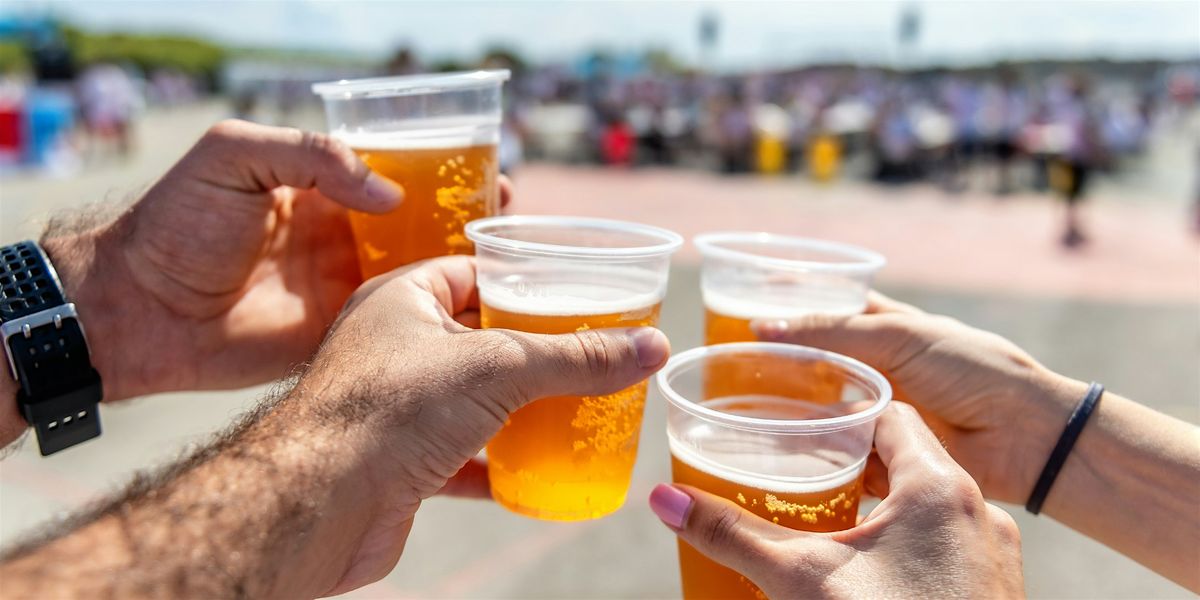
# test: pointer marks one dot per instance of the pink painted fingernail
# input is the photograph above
(384, 191)
(671, 504)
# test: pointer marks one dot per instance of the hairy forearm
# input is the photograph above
(1132, 482)
(268, 511)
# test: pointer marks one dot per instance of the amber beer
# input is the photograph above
(567, 458)
(446, 182)
(829, 506)
(436, 135)
(728, 320)
(786, 458)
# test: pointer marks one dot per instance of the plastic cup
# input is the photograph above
(569, 458)
(796, 459)
(435, 135)
(747, 276)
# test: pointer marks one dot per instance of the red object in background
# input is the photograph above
(10, 130)
(616, 144)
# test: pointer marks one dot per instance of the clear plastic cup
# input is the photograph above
(794, 458)
(748, 275)
(569, 458)
(436, 135)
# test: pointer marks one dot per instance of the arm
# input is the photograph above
(260, 513)
(1132, 481)
(315, 495)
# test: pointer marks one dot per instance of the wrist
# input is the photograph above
(1052, 397)
(115, 317)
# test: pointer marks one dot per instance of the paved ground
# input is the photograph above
(1126, 311)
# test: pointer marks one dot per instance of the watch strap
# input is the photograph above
(47, 351)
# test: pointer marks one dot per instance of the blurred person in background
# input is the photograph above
(1084, 152)
(617, 140)
(50, 107)
(894, 143)
(1131, 481)
(109, 100)
(1008, 108)
(734, 130)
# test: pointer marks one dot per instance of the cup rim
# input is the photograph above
(862, 259)
(784, 426)
(409, 85)
(477, 231)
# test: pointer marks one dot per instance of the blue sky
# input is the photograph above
(752, 33)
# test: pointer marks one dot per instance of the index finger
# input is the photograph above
(252, 158)
(451, 280)
(908, 449)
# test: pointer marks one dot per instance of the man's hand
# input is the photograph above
(317, 495)
(228, 270)
(932, 536)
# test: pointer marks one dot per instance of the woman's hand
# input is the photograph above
(932, 536)
(997, 409)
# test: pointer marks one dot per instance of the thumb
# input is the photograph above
(587, 363)
(257, 158)
(728, 533)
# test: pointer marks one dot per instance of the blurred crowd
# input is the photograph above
(1055, 128)
(912, 125)
(1035, 125)
(62, 112)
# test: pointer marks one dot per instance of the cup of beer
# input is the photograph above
(569, 458)
(746, 276)
(435, 135)
(795, 458)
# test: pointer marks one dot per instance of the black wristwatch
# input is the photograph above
(47, 351)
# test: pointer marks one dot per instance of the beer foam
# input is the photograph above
(731, 454)
(791, 307)
(694, 459)
(566, 299)
(425, 134)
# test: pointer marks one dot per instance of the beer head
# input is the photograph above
(571, 266)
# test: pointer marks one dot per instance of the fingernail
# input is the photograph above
(651, 345)
(771, 330)
(382, 190)
(671, 504)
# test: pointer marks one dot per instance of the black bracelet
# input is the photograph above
(1058, 456)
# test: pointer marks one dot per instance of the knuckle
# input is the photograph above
(957, 493)
(490, 357)
(905, 410)
(329, 150)
(722, 528)
(226, 129)
(1005, 526)
(597, 352)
